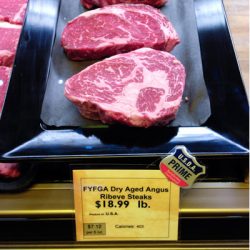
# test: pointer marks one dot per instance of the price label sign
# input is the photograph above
(125, 205)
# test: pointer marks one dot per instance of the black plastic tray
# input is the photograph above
(59, 111)
(24, 137)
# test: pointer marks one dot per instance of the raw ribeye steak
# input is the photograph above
(13, 11)
(9, 38)
(101, 3)
(9, 170)
(4, 82)
(116, 29)
(141, 88)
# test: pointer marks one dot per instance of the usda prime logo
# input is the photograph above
(181, 168)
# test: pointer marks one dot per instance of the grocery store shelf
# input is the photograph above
(56, 200)
(215, 245)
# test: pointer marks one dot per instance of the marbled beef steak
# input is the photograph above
(4, 82)
(116, 29)
(141, 88)
(9, 38)
(9, 170)
(101, 3)
(13, 11)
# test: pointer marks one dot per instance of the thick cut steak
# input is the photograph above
(13, 11)
(116, 29)
(9, 38)
(101, 3)
(4, 82)
(9, 170)
(141, 88)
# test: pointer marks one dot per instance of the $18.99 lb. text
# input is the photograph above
(119, 204)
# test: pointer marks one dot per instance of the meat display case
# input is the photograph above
(24, 136)
(36, 210)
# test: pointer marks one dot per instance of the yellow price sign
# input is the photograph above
(125, 205)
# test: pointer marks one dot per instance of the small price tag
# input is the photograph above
(125, 205)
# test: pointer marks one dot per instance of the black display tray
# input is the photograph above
(59, 111)
(24, 137)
